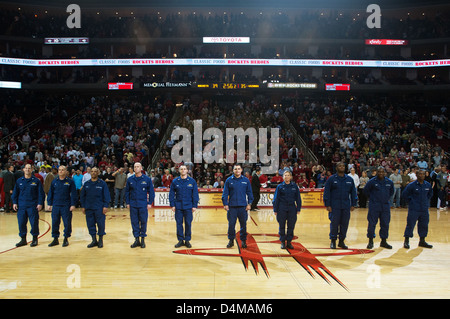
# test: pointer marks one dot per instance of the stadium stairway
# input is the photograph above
(157, 155)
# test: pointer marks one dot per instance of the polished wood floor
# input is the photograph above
(209, 270)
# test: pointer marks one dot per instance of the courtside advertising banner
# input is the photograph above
(212, 197)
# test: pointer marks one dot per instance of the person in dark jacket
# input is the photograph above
(418, 195)
(287, 204)
(8, 186)
(95, 199)
(183, 199)
(256, 188)
(139, 196)
(28, 199)
(62, 199)
(340, 199)
(379, 190)
(237, 197)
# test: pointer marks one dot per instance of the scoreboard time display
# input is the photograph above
(228, 86)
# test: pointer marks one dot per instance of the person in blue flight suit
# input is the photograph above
(95, 198)
(287, 204)
(237, 197)
(418, 195)
(340, 199)
(183, 199)
(28, 199)
(62, 199)
(139, 196)
(379, 190)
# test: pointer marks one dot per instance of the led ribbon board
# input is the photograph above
(226, 62)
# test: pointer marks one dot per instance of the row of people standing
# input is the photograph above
(340, 198)
(28, 199)
(438, 178)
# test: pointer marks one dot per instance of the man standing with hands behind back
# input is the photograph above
(237, 198)
(287, 204)
(95, 200)
(28, 199)
(379, 190)
(418, 195)
(183, 199)
(139, 196)
(62, 199)
(340, 199)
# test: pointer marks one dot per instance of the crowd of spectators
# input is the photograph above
(365, 135)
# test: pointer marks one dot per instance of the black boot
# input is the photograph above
(136, 243)
(283, 245)
(100, 242)
(406, 243)
(342, 244)
(65, 242)
(370, 244)
(384, 244)
(22, 242)
(230, 243)
(34, 243)
(244, 244)
(94, 242)
(423, 243)
(142, 242)
(187, 244)
(289, 245)
(333, 244)
(55, 242)
(179, 244)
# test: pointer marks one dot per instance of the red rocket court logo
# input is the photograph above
(303, 256)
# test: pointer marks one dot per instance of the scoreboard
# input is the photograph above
(227, 86)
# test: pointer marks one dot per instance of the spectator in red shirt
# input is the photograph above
(263, 179)
(167, 178)
(302, 181)
(277, 179)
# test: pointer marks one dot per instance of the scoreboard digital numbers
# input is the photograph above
(238, 86)
(228, 86)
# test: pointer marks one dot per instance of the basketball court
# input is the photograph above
(209, 270)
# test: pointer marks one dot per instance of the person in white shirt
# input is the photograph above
(412, 174)
(90, 159)
(21, 155)
(86, 176)
(354, 176)
(38, 156)
(396, 178)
